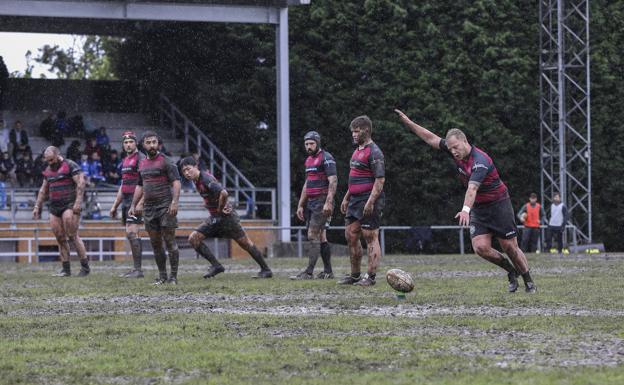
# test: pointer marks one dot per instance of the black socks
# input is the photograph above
(257, 256)
(326, 256)
(205, 252)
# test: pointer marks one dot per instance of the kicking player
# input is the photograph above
(129, 180)
(364, 202)
(63, 184)
(487, 206)
(159, 187)
(316, 203)
(223, 221)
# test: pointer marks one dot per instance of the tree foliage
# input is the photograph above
(471, 64)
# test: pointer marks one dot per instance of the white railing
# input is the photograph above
(33, 238)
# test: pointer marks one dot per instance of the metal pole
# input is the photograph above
(30, 251)
(562, 106)
(588, 85)
(382, 241)
(37, 243)
(101, 247)
(216, 247)
(299, 243)
(462, 249)
(273, 206)
(186, 138)
(283, 124)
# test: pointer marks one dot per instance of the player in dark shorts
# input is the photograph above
(364, 202)
(129, 180)
(63, 185)
(159, 187)
(487, 206)
(316, 203)
(223, 221)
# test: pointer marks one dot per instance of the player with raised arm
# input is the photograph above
(487, 206)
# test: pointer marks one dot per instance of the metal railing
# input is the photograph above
(258, 199)
(175, 120)
(33, 254)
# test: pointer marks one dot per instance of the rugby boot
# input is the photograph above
(214, 270)
(366, 282)
(62, 273)
(302, 276)
(172, 280)
(530, 287)
(513, 282)
(325, 275)
(159, 281)
(65, 270)
(133, 274)
(264, 273)
(84, 268)
(349, 280)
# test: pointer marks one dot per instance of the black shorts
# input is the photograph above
(222, 226)
(315, 219)
(355, 212)
(496, 218)
(58, 210)
(157, 218)
(130, 220)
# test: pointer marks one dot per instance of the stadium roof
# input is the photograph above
(115, 17)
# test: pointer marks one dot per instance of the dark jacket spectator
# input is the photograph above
(91, 148)
(73, 151)
(96, 172)
(7, 169)
(47, 128)
(40, 166)
(112, 168)
(24, 170)
(22, 149)
(77, 126)
(61, 124)
(18, 134)
(101, 138)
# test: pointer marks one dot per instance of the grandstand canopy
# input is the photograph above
(111, 17)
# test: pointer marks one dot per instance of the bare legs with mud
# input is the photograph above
(353, 232)
(65, 229)
(167, 235)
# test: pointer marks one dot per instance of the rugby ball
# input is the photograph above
(400, 280)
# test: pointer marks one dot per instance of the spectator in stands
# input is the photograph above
(73, 151)
(162, 149)
(7, 169)
(46, 128)
(531, 215)
(40, 166)
(101, 138)
(96, 172)
(17, 136)
(24, 169)
(61, 124)
(77, 126)
(84, 166)
(112, 166)
(92, 147)
(23, 150)
(4, 136)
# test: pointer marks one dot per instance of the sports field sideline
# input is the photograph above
(460, 326)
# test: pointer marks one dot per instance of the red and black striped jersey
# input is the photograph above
(61, 185)
(479, 168)
(367, 164)
(130, 173)
(318, 167)
(210, 190)
(156, 176)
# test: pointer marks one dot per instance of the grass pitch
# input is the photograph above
(458, 327)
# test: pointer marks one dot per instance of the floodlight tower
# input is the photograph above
(565, 118)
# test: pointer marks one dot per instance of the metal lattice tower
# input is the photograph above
(565, 119)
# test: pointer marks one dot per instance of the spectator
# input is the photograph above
(7, 169)
(17, 136)
(23, 150)
(61, 124)
(73, 151)
(47, 127)
(557, 223)
(96, 173)
(24, 169)
(84, 166)
(77, 126)
(4, 136)
(101, 138)
(532, 215)
(112, 168)
(92, 147)
(40, 166)
(162, 149)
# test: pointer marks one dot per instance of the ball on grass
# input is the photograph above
(400, 280)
